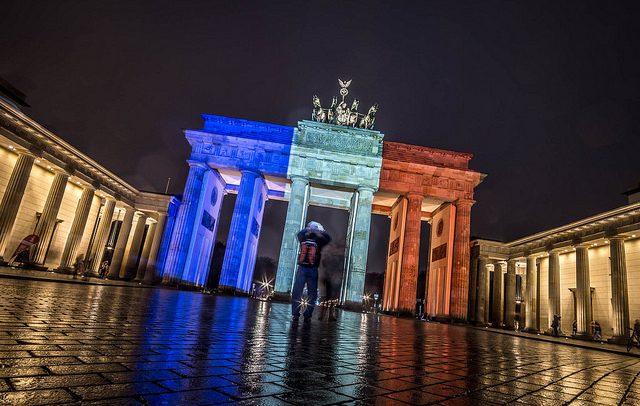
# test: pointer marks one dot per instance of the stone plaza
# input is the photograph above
(107, 345)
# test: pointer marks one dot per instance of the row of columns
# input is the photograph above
(619, 290)
(192, 242)
(12, 199)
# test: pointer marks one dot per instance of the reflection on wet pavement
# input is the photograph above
(63, 343)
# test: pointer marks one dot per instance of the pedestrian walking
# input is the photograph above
(104, 267)
(597, 331)
(555, 325)
(312, 239)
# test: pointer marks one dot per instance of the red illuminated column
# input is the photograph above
(410, 255)
(461, 258)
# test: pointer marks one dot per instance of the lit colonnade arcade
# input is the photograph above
(330, 165)
(74, 205)
(583, 271)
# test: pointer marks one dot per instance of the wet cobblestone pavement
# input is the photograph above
(105, 345)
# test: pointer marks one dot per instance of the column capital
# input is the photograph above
(250, 172)
(512, 261)
(366, 188)
(300, 179)
(464, 202)
(414, 195)
(554, 250)
(197, 164)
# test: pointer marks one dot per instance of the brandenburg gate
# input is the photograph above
(338, 160)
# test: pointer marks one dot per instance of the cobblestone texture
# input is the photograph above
(91, 345)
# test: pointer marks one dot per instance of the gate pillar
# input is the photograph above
(358, 247)
(242, 246)
(296, 217)
(195, 228)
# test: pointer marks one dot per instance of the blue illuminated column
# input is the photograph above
(197, 262)
(163, 251)
(242, 245)
(358, 247)
(183, 228)
(296, 216)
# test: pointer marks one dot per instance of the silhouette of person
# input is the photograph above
(312, 239)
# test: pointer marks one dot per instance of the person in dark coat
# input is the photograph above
(312, 239)
(331, 279)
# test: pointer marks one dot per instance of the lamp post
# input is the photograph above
(375, 302)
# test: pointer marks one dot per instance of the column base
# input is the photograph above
(353, 306)
(532, 330)
(284, 297)
(583, 336)
(231, 290)
(618, 340)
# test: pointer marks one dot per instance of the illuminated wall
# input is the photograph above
(440, 258)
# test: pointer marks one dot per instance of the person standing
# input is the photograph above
(312, 239)
(331, 277)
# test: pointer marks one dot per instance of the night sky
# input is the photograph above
(546, 95)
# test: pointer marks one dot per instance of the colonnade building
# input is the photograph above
(74, 205)
(587, 271)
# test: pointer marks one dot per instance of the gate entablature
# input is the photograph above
(334, 155)
(236, 144)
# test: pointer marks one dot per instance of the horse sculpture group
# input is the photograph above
(342, 114)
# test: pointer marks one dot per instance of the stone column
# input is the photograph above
(146, 249)
(239, 256)
(510, 294)
(410, 255)
(77, 229)
(497, 295)
(296, 216)
(129, 266)
(151, 271)
(531, 293)
(554, 285)
(102, 234)
(473, 289)
(121, 243)
(461, 254)
(482, 290)
(47, 222)
(183, 228)
(12, 198)
(359, 248)
(619, 290)
(583, 291)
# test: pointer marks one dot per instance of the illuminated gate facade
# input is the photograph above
(334, 160)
